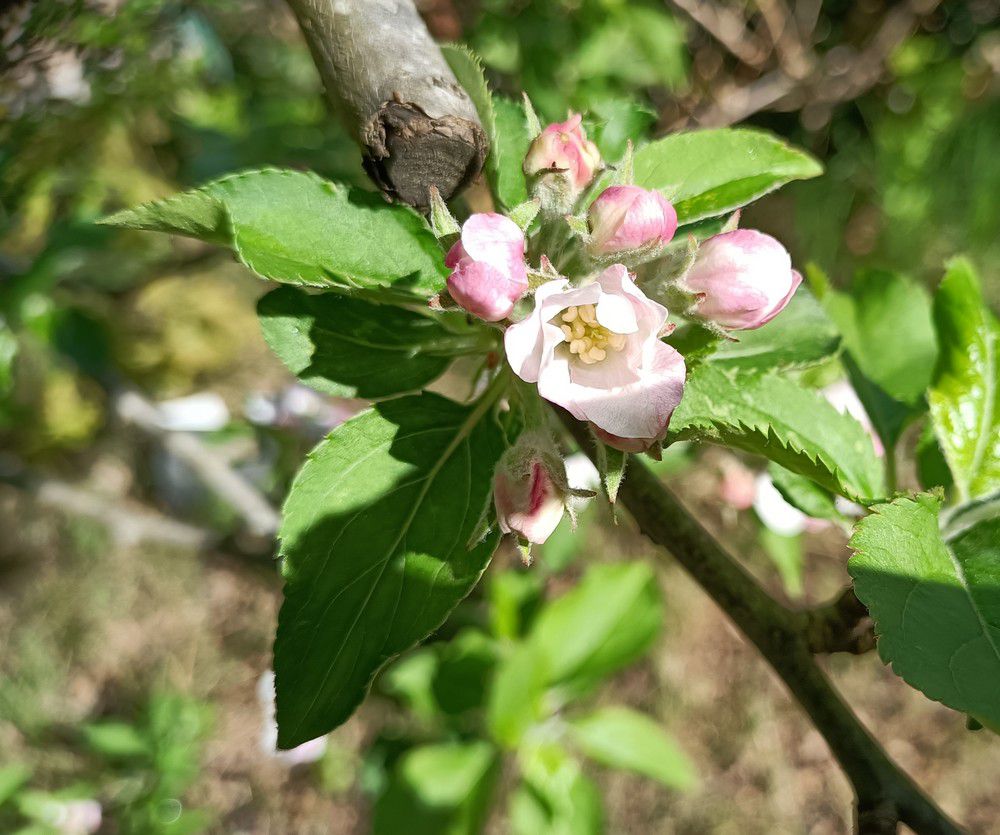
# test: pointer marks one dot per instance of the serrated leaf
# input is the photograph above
(776, 417)
(606, 622)
(374, 540)
(441, 789)
(709, 172)
(504, 122)
(623, 738)
(298, 228)
(935, 602)
(965, 395)
(801, 336)
(353, 348)
(616, 122)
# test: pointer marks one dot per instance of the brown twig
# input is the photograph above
(260, 518)
(885, 795)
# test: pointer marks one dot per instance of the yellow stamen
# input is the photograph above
(588, 340)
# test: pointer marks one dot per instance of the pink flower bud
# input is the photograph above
(743, 279)
(629, 217)
(530, 489)
(564, 146)
(488, 270)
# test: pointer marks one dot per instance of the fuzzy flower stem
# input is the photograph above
(885, 796)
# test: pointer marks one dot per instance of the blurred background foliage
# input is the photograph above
(135, 598)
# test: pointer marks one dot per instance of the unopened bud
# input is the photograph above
(741, 279)
(624, 218)
(530, 488)
(489, 273)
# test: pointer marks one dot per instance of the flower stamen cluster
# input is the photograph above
(587, 338)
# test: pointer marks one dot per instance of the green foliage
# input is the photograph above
(298, 228)
(517, 695)
(603, 624)
(555, 796)
(622, 738)
(965, 395)
(504, 123)
(801, 336)
(441, 789)
(707, 173)
(935, 601)
(778, 418)
(353, 348)
(375, 540)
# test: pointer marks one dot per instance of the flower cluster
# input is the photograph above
(591, 341)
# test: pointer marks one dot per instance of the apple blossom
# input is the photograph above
(307, 752)
(489, 273)
(842, 396)
(74, 817)
(530, 488)
(627, 218)
(595, 350)
(564, 147)
(742, 279)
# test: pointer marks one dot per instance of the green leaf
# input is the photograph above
(465, 663)
(606, 622)
(354, 348)
(512, 141)
(935, 601)
(12, 778)
(622, 738)
(115, 740)
(778, 418)
(8, 353)
(375, 544)
(555, 796)
(965, 396)
(517, 694)
(932, 469)
(298, 228)
(886, 323)
(505, 125)
(440, 789)
(709, 172)
(802, 335)
(804, 493)
(616, 122)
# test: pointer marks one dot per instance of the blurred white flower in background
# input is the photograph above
(307, 752)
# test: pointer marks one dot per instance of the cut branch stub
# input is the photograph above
(387, 78)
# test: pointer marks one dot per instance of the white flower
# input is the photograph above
(595, 350)
(307, 752)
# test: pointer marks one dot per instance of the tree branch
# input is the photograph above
(416, 126)
(885, 795)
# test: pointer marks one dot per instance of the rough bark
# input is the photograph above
(384, 74)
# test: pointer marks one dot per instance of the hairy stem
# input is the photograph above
(885, 795)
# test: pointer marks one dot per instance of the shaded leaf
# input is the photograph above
(374, 540)
(936, 602)
(440, 789)
(353, 348)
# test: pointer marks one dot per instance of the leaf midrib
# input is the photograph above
(463, 432)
